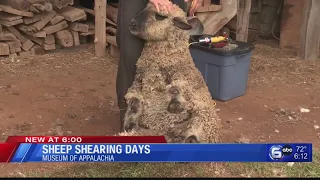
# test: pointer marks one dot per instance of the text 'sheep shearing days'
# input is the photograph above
(89, 153)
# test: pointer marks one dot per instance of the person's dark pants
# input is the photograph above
(130, 48)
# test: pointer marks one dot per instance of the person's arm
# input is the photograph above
(165, 5)
(194, 6)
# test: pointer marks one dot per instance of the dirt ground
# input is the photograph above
(70, 92)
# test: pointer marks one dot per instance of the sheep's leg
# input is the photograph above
(192, 139)
(176, 103)
(175, 106)
(194, 131)
(133, 113)
(204, 127)
(192, 135)
(134, 108)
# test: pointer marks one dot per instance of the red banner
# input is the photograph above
(87, 139)
(7, 151)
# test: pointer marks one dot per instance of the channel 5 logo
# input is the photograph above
(277, 152)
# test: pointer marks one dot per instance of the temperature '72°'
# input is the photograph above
(301, 149)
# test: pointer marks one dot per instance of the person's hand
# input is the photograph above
(164, 5)
(194, 6)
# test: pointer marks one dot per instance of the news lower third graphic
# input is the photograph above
(144, 149)
(292, 152)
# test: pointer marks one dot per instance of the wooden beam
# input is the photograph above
(208, 8)
(100, 7)
(309, 32)
(90, 11)
(61, 3)
(17, 4)
(214, 21)
(243, 16)
(206, 2)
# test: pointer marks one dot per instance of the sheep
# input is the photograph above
(169, 96)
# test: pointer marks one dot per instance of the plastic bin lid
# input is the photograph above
(242, 48)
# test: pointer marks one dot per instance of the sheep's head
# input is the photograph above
(152, 25)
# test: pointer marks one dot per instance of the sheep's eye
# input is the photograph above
(160, 17)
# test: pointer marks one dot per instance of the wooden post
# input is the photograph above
(243, 16)
(309, 32)
(100, 7)
(291, 22)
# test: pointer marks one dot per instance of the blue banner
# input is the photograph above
(163, 153)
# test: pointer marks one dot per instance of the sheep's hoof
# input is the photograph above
(130, 126)
(134, 104)
(191, 139)
(175, 106)
(189, 116)
(143, 126)
(174, 90)
(168, 80)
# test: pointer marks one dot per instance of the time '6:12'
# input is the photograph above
(301, 156)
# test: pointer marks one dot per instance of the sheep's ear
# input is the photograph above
(177, 21)
(197, 26)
